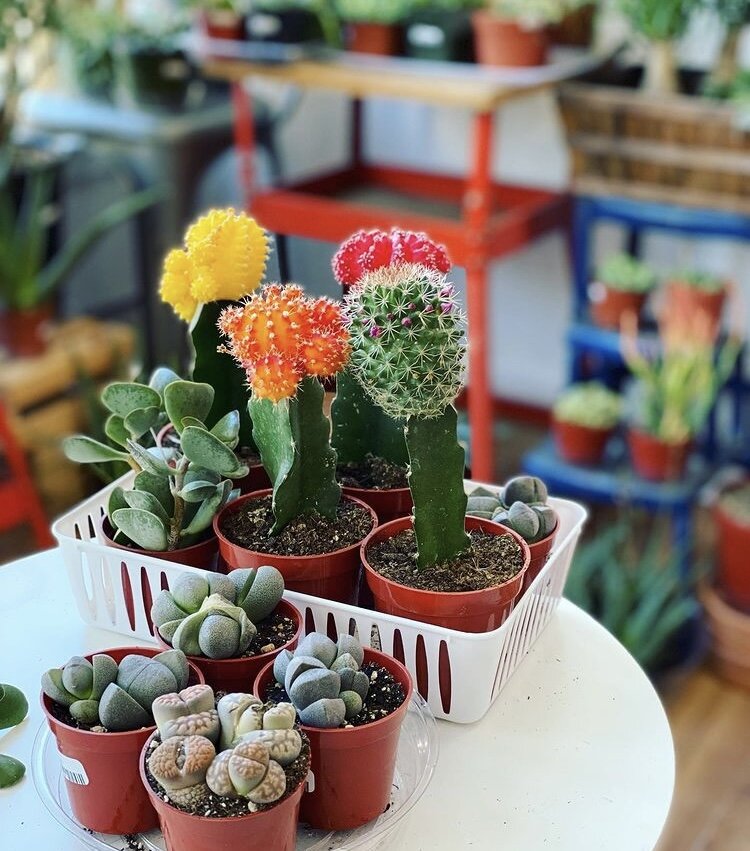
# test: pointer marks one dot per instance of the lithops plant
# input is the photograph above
(521, 505)
(247, 771)
(179, 765)
(323, 679)
(190, 712)
(245, 719)
(217, 630)
(80, 684)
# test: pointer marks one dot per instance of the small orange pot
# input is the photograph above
(223, 24)
(656, 460)
(608, 306)
(683, 298)
(540, 552)
(502, 42)
(389, 504)
(580, 444)
(730, 635)
(576, 29)
(732, 566)
(22, 331)
(332, 576)
(376, 39)
(335, 803)
(467, 611)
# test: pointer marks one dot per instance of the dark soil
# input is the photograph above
(217, 807)
(312, 534)
(491, 560)
(374, 473)
(275, 631)
(384, 696)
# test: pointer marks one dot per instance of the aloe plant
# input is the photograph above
(13, 709)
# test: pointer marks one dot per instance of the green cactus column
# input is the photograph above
(293, 437)
(436, 482)
(220, 371)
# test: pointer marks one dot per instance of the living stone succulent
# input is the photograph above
(117, 697)
(247, 771)
(179, 765)
(521, 505)
(190, 712)
(243, 718)
(323, 679)
(217, 630)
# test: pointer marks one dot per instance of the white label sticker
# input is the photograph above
(310, 781)
(74, 771)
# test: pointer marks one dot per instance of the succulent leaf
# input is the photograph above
(146, 501)
(147, 530)
(13, 706)
(187, 399)
(86, 450)
(142, 420)
(161, 378)
(203, 448)
(156, 485)
(11, 771)
(123, 397)
(114, 428)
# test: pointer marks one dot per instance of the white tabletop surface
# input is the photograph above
(575, 754)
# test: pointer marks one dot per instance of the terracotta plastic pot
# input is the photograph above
(22, 331)
(274, 829)
(656, 460)
(201, 555)
(540, 552)
(239, 674)
(608, 306)
(256, 480)
(107, 795)
(467, 611)
(334, 801)
(730, 633)
(388, 504)
(683, 298)
(733, 563)
(377, 39)
(502, 42)
(224, 24)
(579, 444)
(332, 576)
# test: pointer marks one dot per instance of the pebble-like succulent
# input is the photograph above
(323, 679)
(117, 697)
(208, 614)
(190, 712)
(179, 765)
(244, 719)
(521, 505)
(247, 771)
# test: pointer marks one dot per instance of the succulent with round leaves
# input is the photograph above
(247, 771)
(178, 489)
(190, 712)
(590, 404)
(521, 505)
(244, 718)
(323, 679)
(218, 630)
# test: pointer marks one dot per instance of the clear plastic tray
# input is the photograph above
(415, 763)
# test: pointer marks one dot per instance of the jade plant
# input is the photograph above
(408, 354)
(626, 274)
(590, 404)
(13, 709)
(360, 428)
(214, 615)
(287, 344)
(323, 679)
(521, 506)
(184, 479)
(117, 697)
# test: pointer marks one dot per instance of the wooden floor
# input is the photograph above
(711, 725)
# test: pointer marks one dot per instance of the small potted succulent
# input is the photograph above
(227, 626)
(438, 566)
(440, 30)
(223, 259)
(98, 708)
(374, 26)
(583, 420)
(222, 19)
(622, 286)
(697, 291)
(520, 505)
(732, 518)
(182, 481)
(351, 702)
(370, 446)
(226, 774)
(675, 390)
(292, 22)
(514, 33)
(288, 344)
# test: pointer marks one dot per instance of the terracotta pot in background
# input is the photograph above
(256, 480)
(389, 504)
(335, 802)
(377, 39)
(733, 562)
(683, 298)
(502, 42)
(609, 305)
(223, 24)
(274, 829)
(467, 611)
(230, 675)
(730, 636)
(578, 444)
(22, 331)
(332, 576)
(201, 555)
(656, 460)
(112, 800)
(576, 29)
(540, 553)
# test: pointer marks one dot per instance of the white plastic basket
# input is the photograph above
(460, 674)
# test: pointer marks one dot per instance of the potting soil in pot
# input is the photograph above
(273, 632)
(372, 472)
(384, 696)
(311, 534)
(214, 806)
(491, 560)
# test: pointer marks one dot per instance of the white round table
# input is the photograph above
(575, 754)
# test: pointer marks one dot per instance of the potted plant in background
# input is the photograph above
(374, 26)
(288, 344)
(576, 29)
(370, 446)
(98, 708)
(352, 702)
(223, 259)
(732, 519)
(13, 709)
(583, 420)
(441, 30)
(697, 291)
(89, 33)
(223, 19)
(293, 22)
(438, 566)
(182, 480)
(228, 626)
(622, 286)
(675, 390)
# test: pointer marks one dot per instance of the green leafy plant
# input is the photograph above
(589, 404)
(178, 488)
(533, 13)
(659, 20)
(626, 273)
(13, 709)
(734, 15)
(375, 11)
(90, 31)
(703, 281)
(520, 505)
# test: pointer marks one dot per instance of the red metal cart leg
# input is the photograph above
(477, 208)
(244, 139)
